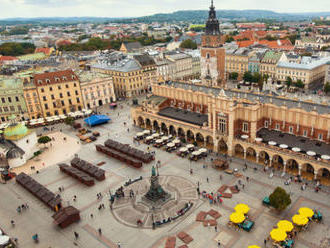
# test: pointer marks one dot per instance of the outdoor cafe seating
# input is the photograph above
(196, 155)
(183, 151)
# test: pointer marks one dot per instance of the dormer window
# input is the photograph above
(47, 81)
(73, 77)
(64, 78)
(57, 79)
(39, 81)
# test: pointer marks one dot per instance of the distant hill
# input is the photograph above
(193, 16)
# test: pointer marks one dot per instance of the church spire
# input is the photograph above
(212, 24)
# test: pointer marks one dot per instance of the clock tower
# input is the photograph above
(212, 52)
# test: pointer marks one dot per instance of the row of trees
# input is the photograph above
(289, 82)
(16, 31)
(16, 49)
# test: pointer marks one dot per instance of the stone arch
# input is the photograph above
(323, 174)
(190, 136)
(251, 154)
(239, 150)
(148, 123)
(278, 162)
(155, 126)
(140, 121)
(172, 130)
(181, 133)
(307, 171)
(163, 128)
(292, 166)
(264, 157)
(222, 146)
(200, 139)
(209, 142)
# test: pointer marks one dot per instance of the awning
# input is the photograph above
(326, 157)
(159, 141)
(258, 139)
(244, 136)
(272, 143)
(190, 146)
(176, 141)
(203, 150)
(139, 134)
(170, 144)
(284, 146)
(183, 149)
(96, 120)
(311, 153)
(296, 149)
(196, 153)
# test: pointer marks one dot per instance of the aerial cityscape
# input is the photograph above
(164, 124)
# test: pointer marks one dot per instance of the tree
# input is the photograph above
(189, 44)
(279, 199)
(69, 121)
(233, 75)
(229, 39)
(44, 140)
(327, 87)
(247, 77)
(16, 49)
(288, 81)
(299, 84)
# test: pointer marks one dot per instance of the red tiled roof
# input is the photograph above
(245, 43)
(7, 58)
(278, 44)
(45, 50)
(54, 77)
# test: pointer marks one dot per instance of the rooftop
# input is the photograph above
(278, 101)
(304, 143)
(184, 115)
(305, 64)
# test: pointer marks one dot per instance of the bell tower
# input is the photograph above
(212, 52)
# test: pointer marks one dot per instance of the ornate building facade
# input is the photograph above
(212, 52)
(289, 135)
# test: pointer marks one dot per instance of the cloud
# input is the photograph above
(130, 8)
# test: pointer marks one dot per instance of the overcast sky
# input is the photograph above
(132, 8)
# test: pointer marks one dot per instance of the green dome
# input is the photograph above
(16, 131)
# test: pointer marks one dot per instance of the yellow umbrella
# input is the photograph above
(285, 225)
(253, 246)
(299, 220)
(278, 235)
(307, 212)
(242, 208)
(237, 217)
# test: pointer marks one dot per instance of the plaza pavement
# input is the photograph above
(38, 218)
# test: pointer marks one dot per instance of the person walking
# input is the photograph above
(118, 244)
(219, 243)
(207, 179)
(216, 228)
(76, 235)
(100, 231)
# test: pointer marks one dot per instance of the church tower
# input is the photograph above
(212, 52)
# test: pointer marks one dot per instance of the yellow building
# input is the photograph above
(53, 93)
(131, 77)
(238, 61)
(269, 62)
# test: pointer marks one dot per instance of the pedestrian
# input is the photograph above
(265, 242)
(118, 244)
(247, 179)
(92, 216)
(216, 228)
(219, 243)
(207, 179)
(60, 189)
(100, 231)
(12, 223)
(76, 235)
(243, 186)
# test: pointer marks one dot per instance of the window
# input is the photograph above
(48, 114)
(78, 100)
(54, 104)
(245, 127)
(5, 109)
(266, 124)
(222, 125)
(19, 107)
(0, 109)
(305, 133)
(68, 93)
(74, 85)
(59, 87)
(277, 127)
(42, 90)
(3, 100)
(290, 129)
(53, 97)
(46, 106)
(62, 102)
(320, 136)
(76, 92)
(9, 99)
(16, 98)
(50, 89)
(67, 86)
(44, 98)
(61, 95)
(64, 111)
(12, 108)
